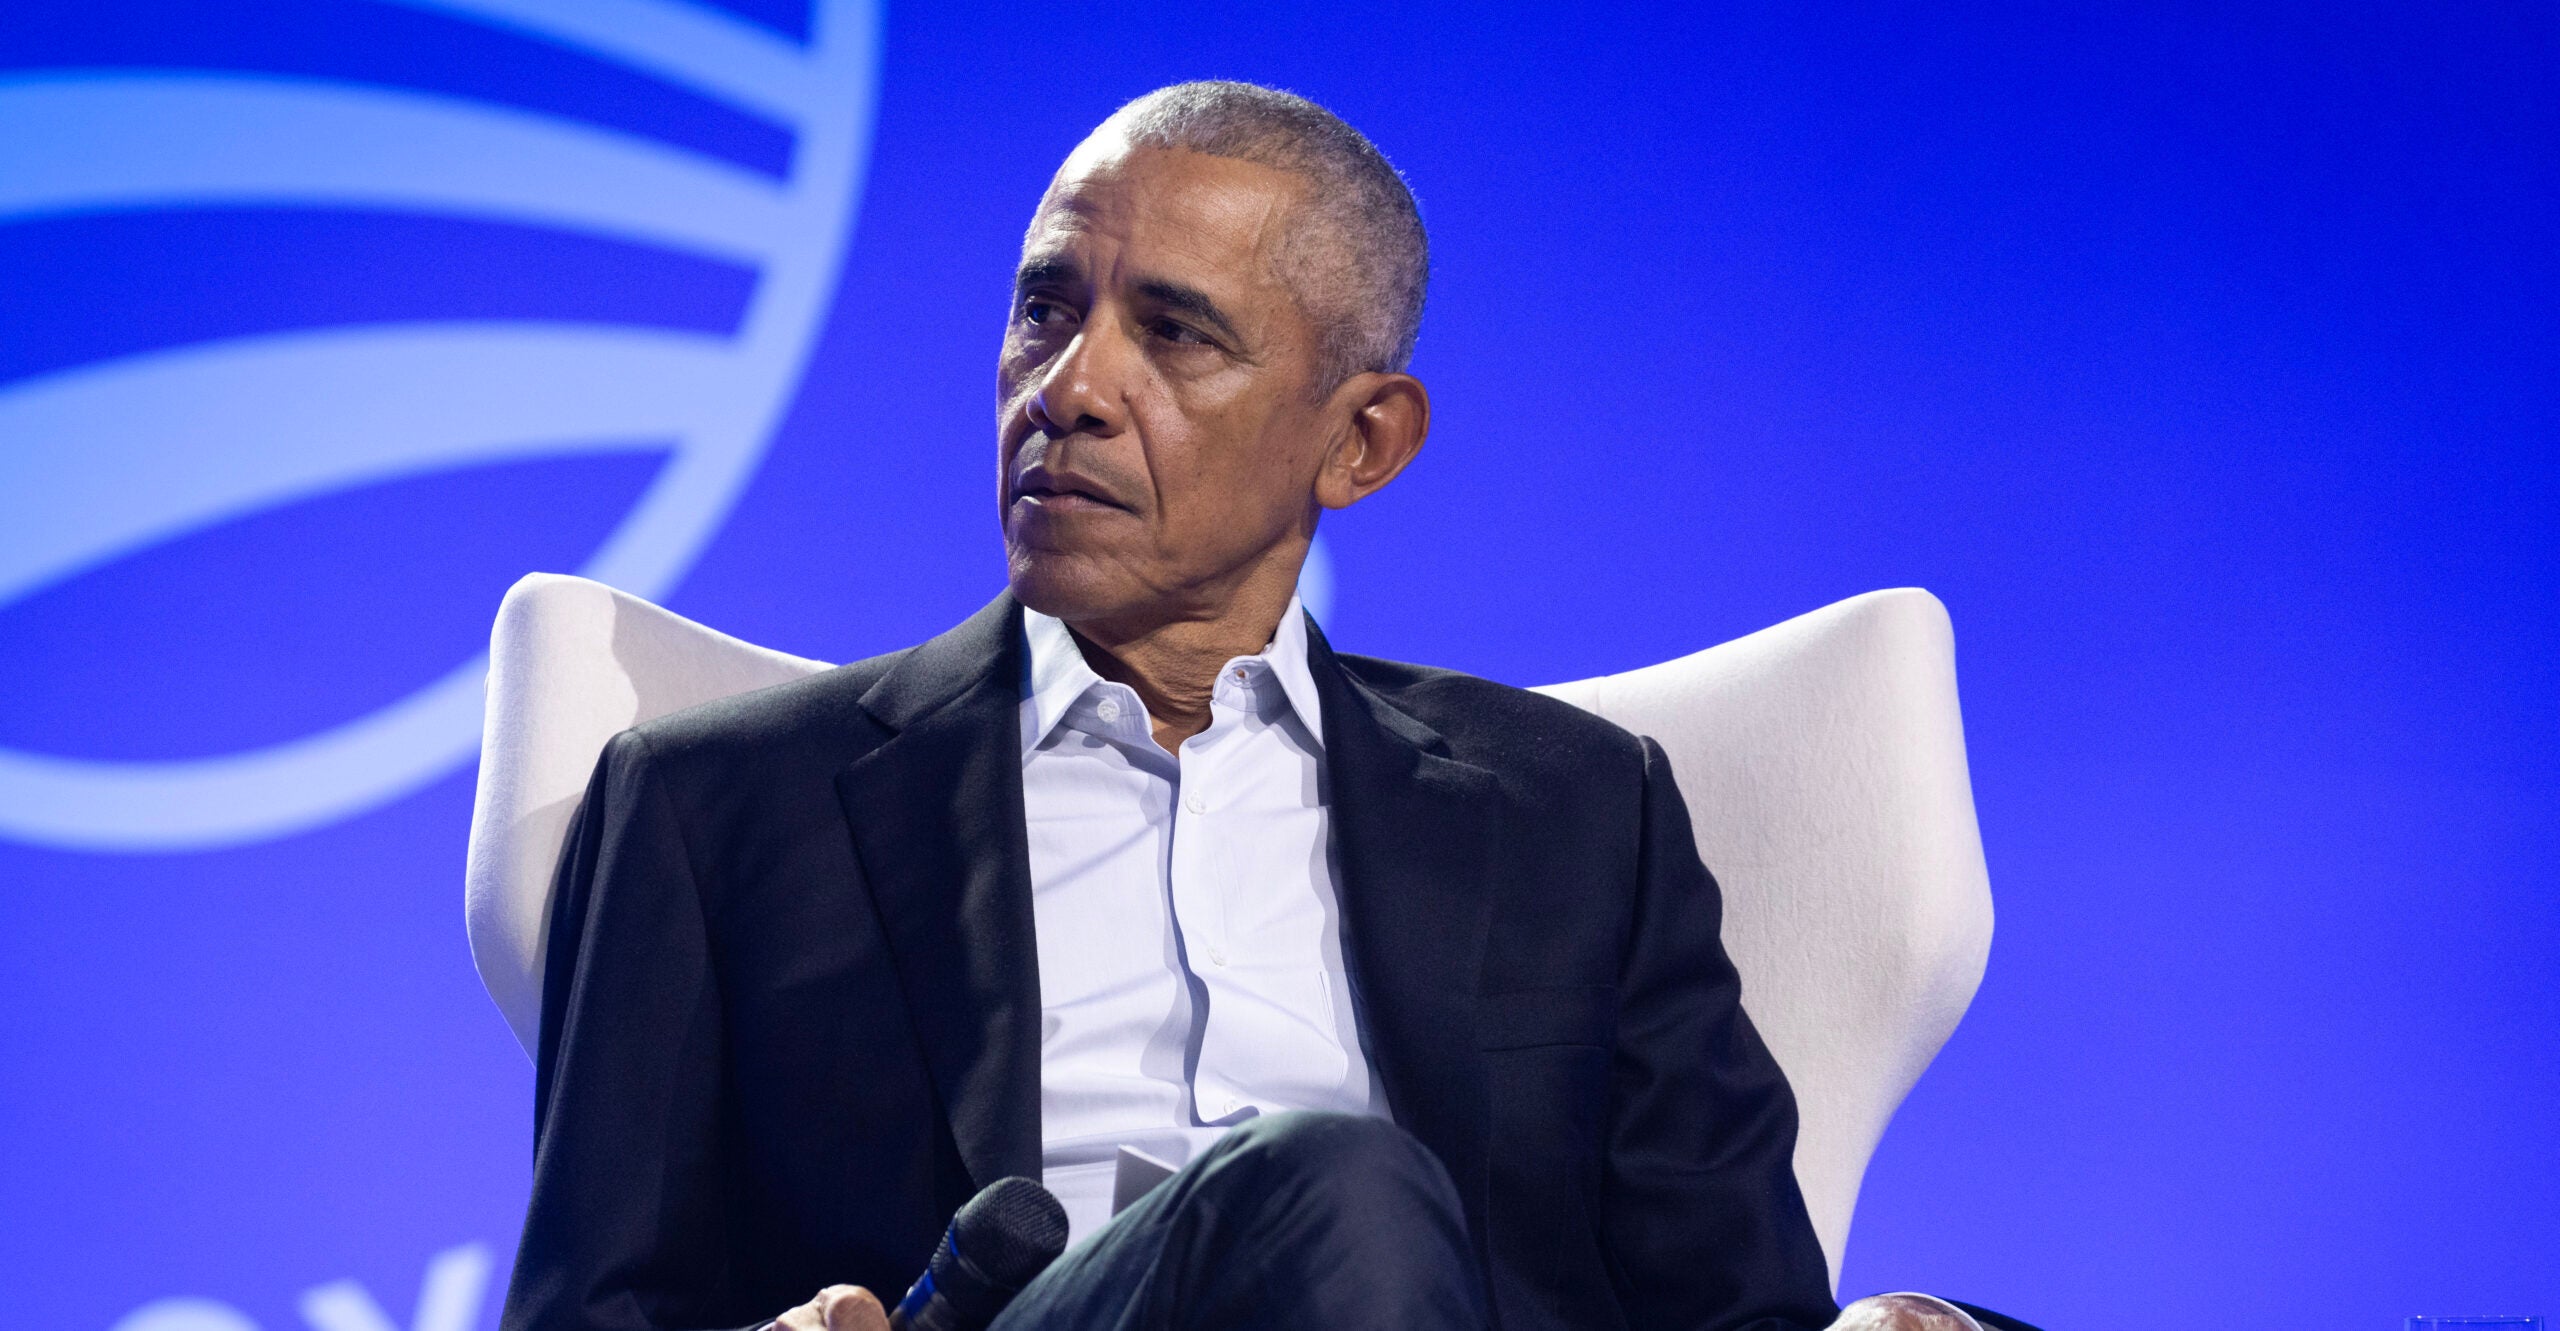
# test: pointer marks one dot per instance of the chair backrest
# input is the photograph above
(1822, 759)
(572, 663)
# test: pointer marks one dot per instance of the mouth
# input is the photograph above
(1058, 494)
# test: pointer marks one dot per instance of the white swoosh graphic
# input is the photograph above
(87, 142)
(236, 427)
(104, 459)
(707, 52)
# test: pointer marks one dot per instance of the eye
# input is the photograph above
(1041, 312)
(1180, 334)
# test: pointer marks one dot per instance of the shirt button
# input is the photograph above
(1196, 802)
(1108, 709)
(1217, 957)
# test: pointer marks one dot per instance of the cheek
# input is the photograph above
(1240, 483)
(1019, 361)
(1011, 384)
(1284, 457)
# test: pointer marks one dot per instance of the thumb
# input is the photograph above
(851, 1308)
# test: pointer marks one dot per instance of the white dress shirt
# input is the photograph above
(1187, 913)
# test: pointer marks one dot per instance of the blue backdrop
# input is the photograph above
(2201, 357)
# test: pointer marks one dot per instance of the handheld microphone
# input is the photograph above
(1005, 1236)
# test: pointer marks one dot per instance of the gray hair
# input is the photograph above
(1362, 274)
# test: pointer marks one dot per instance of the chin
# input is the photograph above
(1070, 587)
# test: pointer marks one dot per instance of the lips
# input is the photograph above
(1062, 491)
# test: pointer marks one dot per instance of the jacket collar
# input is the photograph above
(980, 651)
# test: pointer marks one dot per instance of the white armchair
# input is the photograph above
(1823, 761)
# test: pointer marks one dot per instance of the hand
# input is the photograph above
(1902, 1312)
(836, 1308)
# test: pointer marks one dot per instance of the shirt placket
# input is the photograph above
(1219, 1089)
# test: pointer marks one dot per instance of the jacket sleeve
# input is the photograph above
(1703, 1223)
(626, 1229)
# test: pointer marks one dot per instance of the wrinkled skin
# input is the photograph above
(1164, 445)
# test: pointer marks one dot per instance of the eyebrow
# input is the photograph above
(1047, 272)
(1192, 301)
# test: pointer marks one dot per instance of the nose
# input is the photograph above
(1084, 389)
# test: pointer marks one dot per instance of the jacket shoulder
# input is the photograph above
(815, 718)
(1511, 731)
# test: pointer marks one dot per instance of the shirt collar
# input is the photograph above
(1287, 657)
(1059, 676)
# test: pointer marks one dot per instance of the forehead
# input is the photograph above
(1166, 212)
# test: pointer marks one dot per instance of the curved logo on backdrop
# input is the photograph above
(108, 458)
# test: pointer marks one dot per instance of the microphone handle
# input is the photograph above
(969, 1307)
(920, 1310)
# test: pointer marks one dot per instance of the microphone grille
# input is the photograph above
(1011, 1231)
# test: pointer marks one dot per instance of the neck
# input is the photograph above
(1172, 660)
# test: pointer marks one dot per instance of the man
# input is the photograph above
(1419, 973)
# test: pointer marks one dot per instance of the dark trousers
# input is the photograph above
(1291, 1220)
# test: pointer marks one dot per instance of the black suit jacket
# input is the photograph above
(791, 1017)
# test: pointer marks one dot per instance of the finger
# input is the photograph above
(853, 1309)
(1899, 1312)
(810, 1316)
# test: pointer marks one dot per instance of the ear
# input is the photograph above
(1385, 417)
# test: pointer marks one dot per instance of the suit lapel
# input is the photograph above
(1413, 834)
(937, 823)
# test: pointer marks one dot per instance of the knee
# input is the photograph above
(1344, 1220)
(1331, 1140)
(1335, 1151)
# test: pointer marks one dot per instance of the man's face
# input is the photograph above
(1159, 436)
